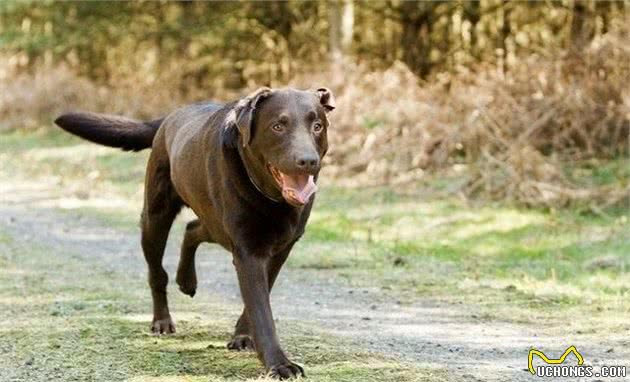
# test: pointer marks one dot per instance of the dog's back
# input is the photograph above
(180, 126)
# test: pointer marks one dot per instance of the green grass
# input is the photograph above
(445, 247)
(62, 158)
(600, 173)
(21, 140)
(94, 326)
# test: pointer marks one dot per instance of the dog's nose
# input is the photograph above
(307, 162)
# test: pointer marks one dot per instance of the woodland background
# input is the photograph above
(526, 102)
(474, 202)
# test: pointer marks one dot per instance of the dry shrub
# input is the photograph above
(32, 99)
(386, 127)
(504, 135)
(26, 98)
(508, 133)
(548, 112)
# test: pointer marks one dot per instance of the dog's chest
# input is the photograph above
(283, 233)
(275, 233)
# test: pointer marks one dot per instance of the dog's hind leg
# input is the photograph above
(195, 234)
(161, 206)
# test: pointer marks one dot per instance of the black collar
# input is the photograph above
(251, 179)
(259, 190)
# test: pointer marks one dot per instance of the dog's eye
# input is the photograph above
(317, 128)
(277, 127)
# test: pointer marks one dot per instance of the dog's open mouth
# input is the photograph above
(297, 188)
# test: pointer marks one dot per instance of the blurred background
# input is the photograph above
(501, 95)
(474, 200)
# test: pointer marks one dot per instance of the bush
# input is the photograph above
(511, 132)
(507, 135)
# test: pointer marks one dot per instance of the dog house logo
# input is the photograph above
(551, 361)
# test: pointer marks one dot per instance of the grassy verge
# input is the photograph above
(502, 258)
(516, 263)
(93, 327)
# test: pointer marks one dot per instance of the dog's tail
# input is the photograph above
(109, 130)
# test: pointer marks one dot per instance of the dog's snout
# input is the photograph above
(307, 162)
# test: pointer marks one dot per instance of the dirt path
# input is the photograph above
(426, 332)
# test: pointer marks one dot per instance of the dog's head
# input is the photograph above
(285, 131)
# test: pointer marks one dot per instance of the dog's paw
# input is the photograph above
(187, 282)
(163, 326)
(286, 370)
(241, 342)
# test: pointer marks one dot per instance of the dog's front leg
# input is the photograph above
(243, 338)
(252, 277)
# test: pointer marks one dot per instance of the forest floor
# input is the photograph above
(386, 285)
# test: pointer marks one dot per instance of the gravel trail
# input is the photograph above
(426, 332)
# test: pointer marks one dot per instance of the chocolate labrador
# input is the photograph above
(248, 170)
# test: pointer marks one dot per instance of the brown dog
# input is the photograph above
(248, 170)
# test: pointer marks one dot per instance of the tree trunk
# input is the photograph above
(347, 26)
(334, 31)
(581, 30)
(417, 21)
(340, 27)
(504, 34)
(473, 15)
(604, 9)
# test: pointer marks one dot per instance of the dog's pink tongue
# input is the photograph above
(299, 187)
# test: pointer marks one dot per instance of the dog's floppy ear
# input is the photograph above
(244, 113)
(326, 98)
